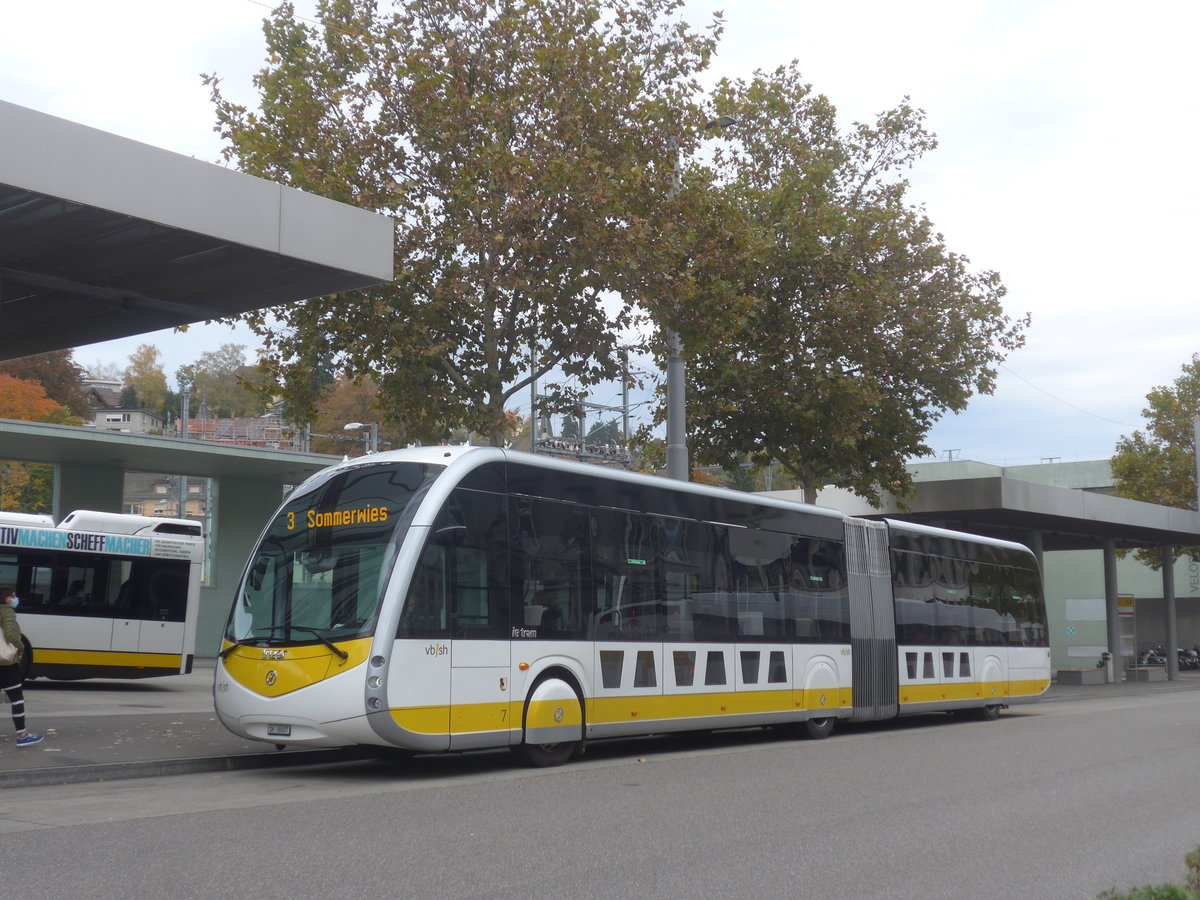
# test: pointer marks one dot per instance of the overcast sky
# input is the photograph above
(1067, 136)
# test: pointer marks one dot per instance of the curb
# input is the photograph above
(162, 767)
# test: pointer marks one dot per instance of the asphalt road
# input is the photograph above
(1057, 801)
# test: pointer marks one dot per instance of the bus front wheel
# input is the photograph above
(554, 711)
(546, 755)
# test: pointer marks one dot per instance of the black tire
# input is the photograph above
(391, 754)
(546, 755)
(819, 728)
(988, 713)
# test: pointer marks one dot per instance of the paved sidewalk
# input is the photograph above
(99, 730)
(105, 729)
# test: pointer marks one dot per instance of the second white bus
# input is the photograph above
(104, 595)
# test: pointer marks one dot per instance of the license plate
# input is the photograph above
(279, 731)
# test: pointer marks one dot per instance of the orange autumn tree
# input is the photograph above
(25, 400)
(28, 487)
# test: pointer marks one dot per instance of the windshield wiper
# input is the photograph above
(265, 641)
(339, 653)
(244, 642)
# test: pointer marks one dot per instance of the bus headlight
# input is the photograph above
(378, 662)
(375, 703)
(375, 682)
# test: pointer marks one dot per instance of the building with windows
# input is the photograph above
(111, 414)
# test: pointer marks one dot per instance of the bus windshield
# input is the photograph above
(320, 570)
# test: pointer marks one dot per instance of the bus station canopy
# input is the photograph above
(1013, 509)
(89, 448)
(103, 237)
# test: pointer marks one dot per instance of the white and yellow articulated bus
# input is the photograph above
(443, 599)
(104, 595)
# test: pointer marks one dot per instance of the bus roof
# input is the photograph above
(462, 459)
(122, 523)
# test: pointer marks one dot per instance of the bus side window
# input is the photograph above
(461, 582)
(550, 571)
(426, 610)
(629, 576)
(167, 589)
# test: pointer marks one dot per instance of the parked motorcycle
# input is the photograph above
(1152, 656)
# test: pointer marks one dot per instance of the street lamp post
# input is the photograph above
(677, 450)
(370, 432)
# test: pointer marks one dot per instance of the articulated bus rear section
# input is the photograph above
(456, 598)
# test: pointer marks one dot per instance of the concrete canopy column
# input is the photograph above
(1033, 540)
(87, 486)
(1110, 607)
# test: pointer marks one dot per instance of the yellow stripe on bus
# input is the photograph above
(691, 706)
(111, 658)
(475, 717)
(273, 672)
(971, 690)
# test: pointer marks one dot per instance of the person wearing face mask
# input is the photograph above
(10, 676)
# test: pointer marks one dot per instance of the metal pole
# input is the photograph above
(1168, 577)
(183, 419)
(534, 421)
(1196, 452)
(533, 416)
(625, 398)
(677, 451)
(1110, 608)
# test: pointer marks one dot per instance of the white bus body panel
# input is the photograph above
(69, 632)
(419, 679)
(479, 694)
(161, 637)
(327, 713)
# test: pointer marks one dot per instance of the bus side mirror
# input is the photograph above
(255, 577)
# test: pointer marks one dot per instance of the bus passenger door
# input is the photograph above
(473, 528)
(162, 629)
(479, 694)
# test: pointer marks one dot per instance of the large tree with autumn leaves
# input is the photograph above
(520, 146)
(857, 327)
(1157, 464)
(537, 158)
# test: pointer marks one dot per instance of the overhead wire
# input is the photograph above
(1064, 402)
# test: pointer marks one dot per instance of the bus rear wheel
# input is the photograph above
(819, 728)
